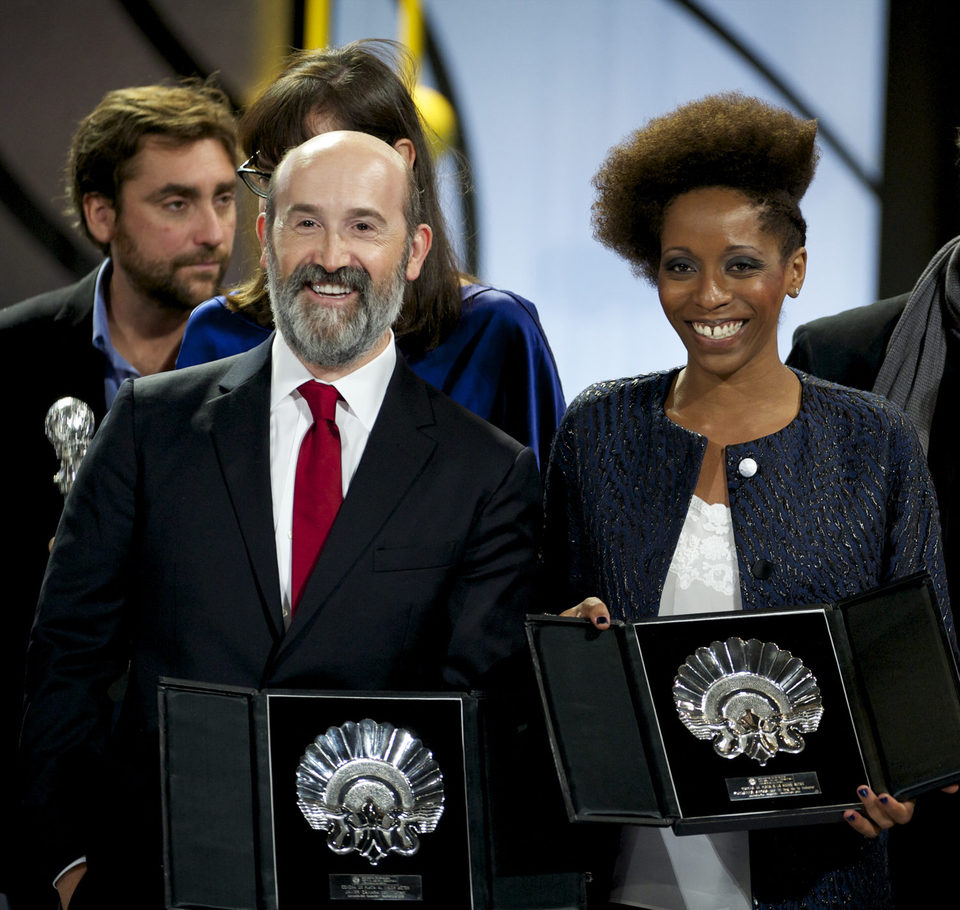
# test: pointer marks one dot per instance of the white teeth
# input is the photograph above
(724, 330)
(330, 290)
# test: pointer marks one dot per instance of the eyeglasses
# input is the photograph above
(256, 181)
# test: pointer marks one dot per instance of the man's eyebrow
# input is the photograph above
(174, 189)
(306, 208)
(302, 208)
(366, 213)
(189, 191)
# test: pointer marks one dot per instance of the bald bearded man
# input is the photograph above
(175, 552)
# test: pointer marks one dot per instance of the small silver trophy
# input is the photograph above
(69, 427)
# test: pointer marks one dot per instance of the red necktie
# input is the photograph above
(317, 493)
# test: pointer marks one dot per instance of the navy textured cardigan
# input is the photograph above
(837, 502)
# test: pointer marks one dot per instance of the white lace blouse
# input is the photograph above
(655, 868)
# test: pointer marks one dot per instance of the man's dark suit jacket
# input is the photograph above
(166, 557)
(848, 348)
(46, 353)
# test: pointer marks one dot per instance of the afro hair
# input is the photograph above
(726, 140)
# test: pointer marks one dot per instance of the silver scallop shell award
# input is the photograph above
(748, 697)
(374, 788)
(69, 427)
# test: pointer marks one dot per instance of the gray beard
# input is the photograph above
(327, 336)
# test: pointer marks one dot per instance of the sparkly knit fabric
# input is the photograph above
(837, 502)
(840, 502)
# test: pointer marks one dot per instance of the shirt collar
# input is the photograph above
(101, 325)
(362, 390)
(101, 330)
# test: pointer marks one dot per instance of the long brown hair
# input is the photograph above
(356, 87)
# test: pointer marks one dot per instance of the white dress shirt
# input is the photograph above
(361, 394)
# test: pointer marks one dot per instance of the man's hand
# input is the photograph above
(67, 883)
(593, 609)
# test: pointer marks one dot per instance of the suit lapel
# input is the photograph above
(239, 424)
(395, 456)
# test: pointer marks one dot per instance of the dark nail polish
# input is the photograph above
(602, 620)
(883, 799)
(863, 791)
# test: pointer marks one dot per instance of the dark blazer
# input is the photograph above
(166, 558)
(45, 354)
(847, 347)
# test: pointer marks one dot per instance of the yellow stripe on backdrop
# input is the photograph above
(274, 29)
(436, 111)
(410, 31)
(316, 23)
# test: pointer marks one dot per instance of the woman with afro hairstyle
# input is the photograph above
(733, 482)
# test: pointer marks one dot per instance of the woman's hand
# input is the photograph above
(591, 608)
(878, 813)
(883, 811)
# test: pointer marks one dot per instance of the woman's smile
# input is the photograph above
(723, 278)
(718, 330)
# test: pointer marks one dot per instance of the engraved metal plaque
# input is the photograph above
(748, 697)
(374, 788)
(370, 887)
(773, 786)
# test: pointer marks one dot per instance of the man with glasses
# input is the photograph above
(151, 182)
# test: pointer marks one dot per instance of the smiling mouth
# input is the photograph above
(718, 330)
(329, 289)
